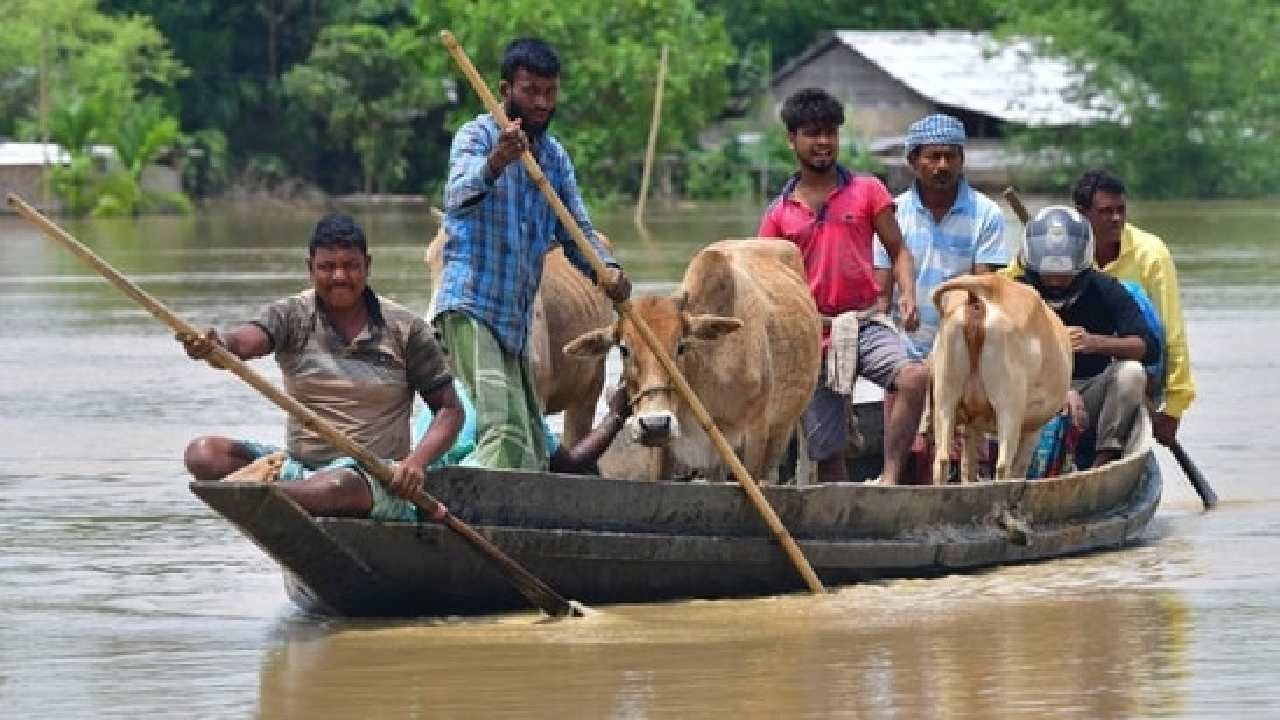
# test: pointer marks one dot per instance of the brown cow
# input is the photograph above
(573, 306)
(1002, 363)
(745, 333)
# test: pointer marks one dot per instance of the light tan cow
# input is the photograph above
(567, 305)
(744, 331)
(1002, 363)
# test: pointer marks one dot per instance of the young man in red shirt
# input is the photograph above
(832, 215)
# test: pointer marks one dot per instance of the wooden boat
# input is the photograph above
(601, 541)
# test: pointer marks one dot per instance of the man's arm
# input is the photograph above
(446, 420)
(1133, 341)
(615, 283)
(571, 196)
(245, 342)
(471, 174)
(886, 224)
(1160, 279)
(990, 253)
(581, 458)
(884, 281)
(409, 475)
(1122, 347)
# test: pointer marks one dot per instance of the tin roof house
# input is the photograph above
(889, 79)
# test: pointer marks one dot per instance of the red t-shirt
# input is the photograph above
(836, 241)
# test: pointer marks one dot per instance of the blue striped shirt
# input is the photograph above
(499, 232)
(971, 233)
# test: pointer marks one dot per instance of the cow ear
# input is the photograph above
(681, 298)
(590, 343)
(711, 327)
(710, 283)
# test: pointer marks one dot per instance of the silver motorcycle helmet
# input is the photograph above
(1057, 241)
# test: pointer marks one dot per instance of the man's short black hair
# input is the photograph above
(337, 230)
(532, 54)
(1090, 183)
(812, 107)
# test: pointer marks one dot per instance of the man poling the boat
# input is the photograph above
(357, 359)
(499, 231)
(623, 307)
(528, 585)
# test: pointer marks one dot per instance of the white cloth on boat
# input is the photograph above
(841, 369)
(842, 353)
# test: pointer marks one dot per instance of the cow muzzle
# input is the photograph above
(654, 429)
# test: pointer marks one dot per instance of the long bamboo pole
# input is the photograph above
(624, 309)
(537, 592)
(651, 148)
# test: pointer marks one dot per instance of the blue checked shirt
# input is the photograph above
(499, 232)
(971, 233)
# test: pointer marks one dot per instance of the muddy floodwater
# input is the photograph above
(122, 596)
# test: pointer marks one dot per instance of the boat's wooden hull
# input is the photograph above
(612, 541)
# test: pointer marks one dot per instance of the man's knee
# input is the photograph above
(1131, 382)
(207, 458)
(912, 379)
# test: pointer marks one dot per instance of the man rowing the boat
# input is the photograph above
(1110, 338)
(500, 228)
(356, 359)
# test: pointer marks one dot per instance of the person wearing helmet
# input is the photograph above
(1132, 255)
(1110, 337)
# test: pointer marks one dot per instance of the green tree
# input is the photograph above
(69, 49)
(1196, 86)
(363, 81)
(609, 53)
(139, 138)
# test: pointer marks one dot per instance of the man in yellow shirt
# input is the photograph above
(1126, 252)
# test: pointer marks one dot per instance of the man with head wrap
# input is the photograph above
(949, 228)
(1110, 337)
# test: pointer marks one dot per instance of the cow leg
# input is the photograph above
(1022, 460)
(944, 428)
(969, 453)
(948, 384)
(1009, 430)
(774, 453)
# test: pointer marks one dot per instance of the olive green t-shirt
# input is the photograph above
(364, 388)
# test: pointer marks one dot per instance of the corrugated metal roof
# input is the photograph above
(974, 71)
(33, 153)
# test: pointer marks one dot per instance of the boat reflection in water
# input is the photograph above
(980, 646)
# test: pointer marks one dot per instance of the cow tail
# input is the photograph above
(975, 321)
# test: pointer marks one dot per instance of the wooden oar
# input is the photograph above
(536, 591)
(624, 309)
(1197, 479)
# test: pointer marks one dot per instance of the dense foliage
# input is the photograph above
(360, 95)
(1196, 84)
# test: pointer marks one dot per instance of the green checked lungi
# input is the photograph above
(509, 430)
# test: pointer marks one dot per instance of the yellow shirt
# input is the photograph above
(1145, 259)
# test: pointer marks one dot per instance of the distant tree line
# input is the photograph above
(360, 96)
